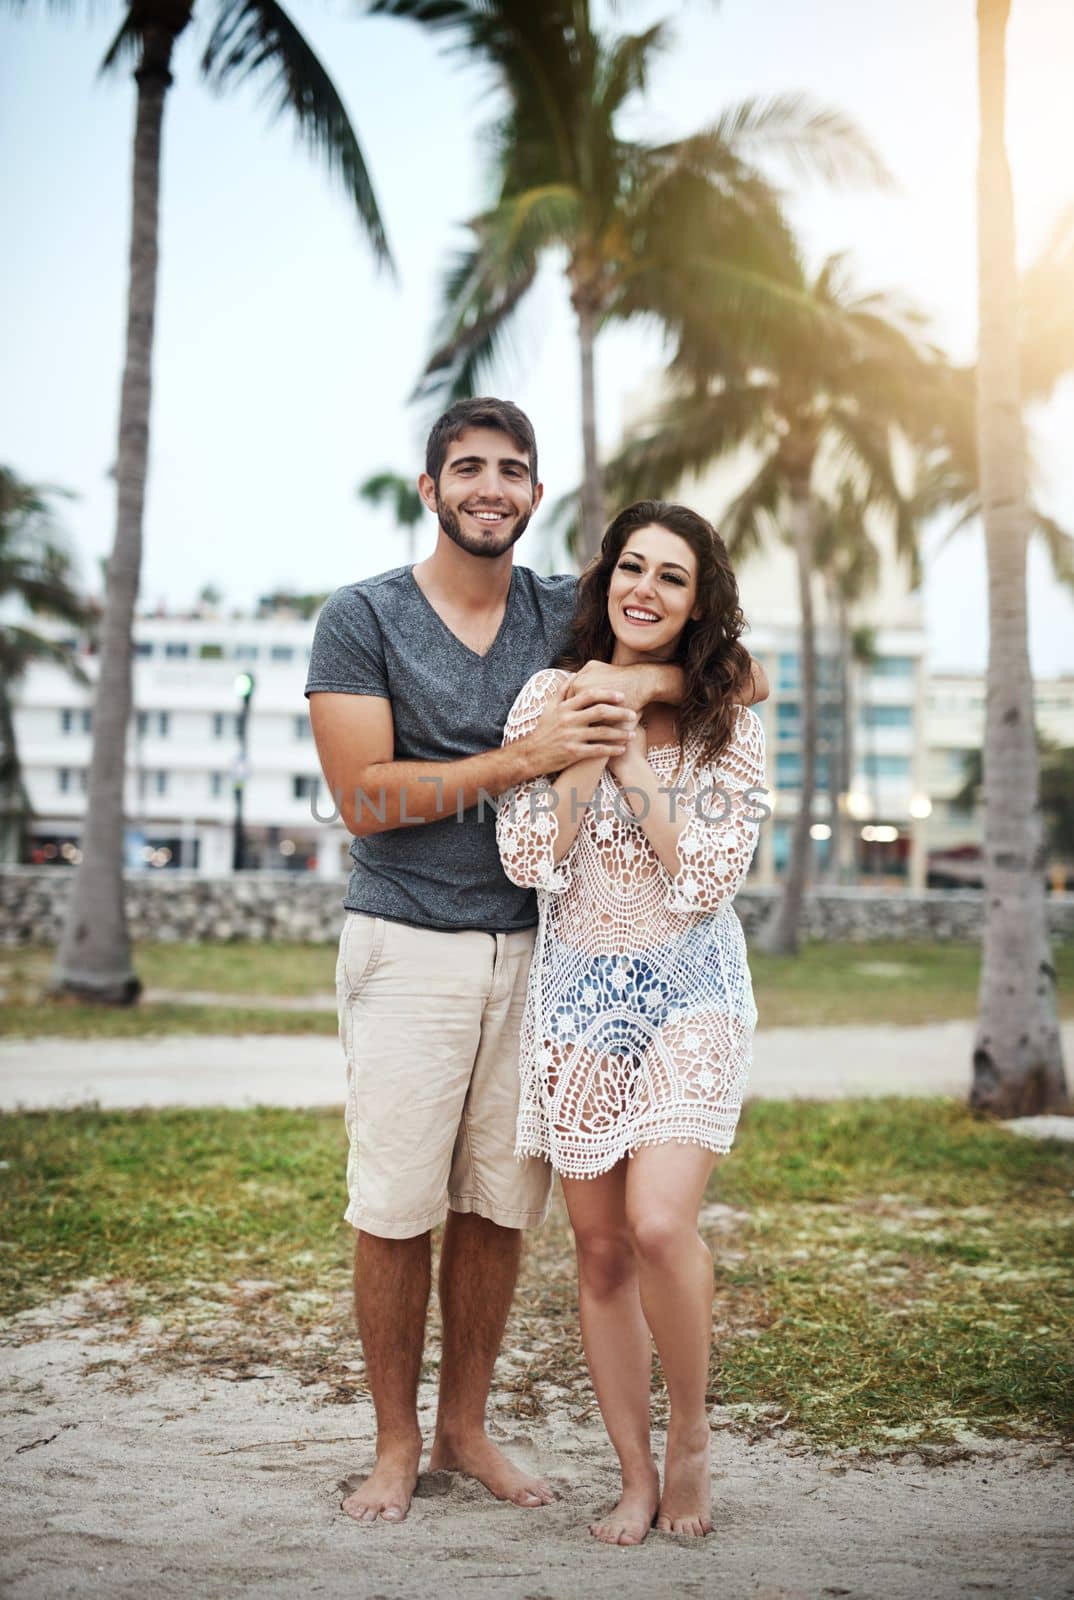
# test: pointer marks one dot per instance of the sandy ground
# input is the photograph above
(129, 1480)
(819, 1063)
(122, 1477)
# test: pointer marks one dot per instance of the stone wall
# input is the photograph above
(291, 906)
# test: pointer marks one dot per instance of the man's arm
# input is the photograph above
(355, 737)
(755, 688)
(659, 681)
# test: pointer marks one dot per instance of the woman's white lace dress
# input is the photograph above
(639, 1016)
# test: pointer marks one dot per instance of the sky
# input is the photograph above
(284, 360)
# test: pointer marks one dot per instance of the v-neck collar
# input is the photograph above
(474, 654)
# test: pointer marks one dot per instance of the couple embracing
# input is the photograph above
(553, 982)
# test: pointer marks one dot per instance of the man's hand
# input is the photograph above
(592, 723)
(637, 686)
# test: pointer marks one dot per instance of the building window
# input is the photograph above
(177, 650)
(76, 721)
(787, 674)
(894, 666)
(211, 652)
(889, 716)
(152, 783)
(143, 647)
(217, 784)
(225, 722)
(72, 780)
(245, 652)
(154, 724)
(302, 728)
(304, 788)
(282, 652)
(887, 766)
(788, 720)
(788, 769)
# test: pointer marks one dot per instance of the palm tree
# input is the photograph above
(1018, 1055)
(644, 230)
(405, 502)
(36, 576)
(248, 39)
(827, 393)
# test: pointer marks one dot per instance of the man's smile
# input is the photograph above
(487, 516)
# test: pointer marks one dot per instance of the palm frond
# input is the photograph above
(753, 516)
(474, 327)
(400, 493)
(864, 443)
(126, 47)
(687, 433)
(20, 647)
(815, 140)
(843, 547)
(1059, 545)
(257, 39)
(624, 67)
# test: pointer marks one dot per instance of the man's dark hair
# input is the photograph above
(483, 412)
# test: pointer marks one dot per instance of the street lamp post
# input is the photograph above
(244, 688)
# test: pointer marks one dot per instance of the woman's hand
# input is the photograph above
(633, 759)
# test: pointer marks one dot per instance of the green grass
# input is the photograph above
(241, 968)
(891, 1270)
(902, 983)
(825, 984)
(38, 1019)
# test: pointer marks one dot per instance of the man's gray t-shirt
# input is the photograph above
(382, 637)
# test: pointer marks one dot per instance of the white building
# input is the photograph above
(184, 752)
(183, 755)
(954, 732)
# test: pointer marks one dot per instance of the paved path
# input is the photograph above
(818, 1063)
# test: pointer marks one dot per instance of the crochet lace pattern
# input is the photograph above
(639, 1016)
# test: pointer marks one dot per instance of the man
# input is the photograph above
(411, 677)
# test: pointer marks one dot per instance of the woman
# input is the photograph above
(637, 1039)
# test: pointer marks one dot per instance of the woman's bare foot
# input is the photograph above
(386, 1493)
(477, 1456)
(686, 1503)
(632, 1517)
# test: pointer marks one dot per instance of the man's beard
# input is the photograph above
(475, 546)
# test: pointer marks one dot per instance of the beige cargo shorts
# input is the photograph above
(430, 1027)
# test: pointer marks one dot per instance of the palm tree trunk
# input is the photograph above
(592, 518)
(94, 960)
(781, 936)
(1017, 1058)
(839, 759)
(14, 800)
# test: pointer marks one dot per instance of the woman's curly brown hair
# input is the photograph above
(715, 664)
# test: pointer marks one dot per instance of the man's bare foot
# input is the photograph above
(386, 1493)
(686, 1503)
(477, 1456)
(632, 1517)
